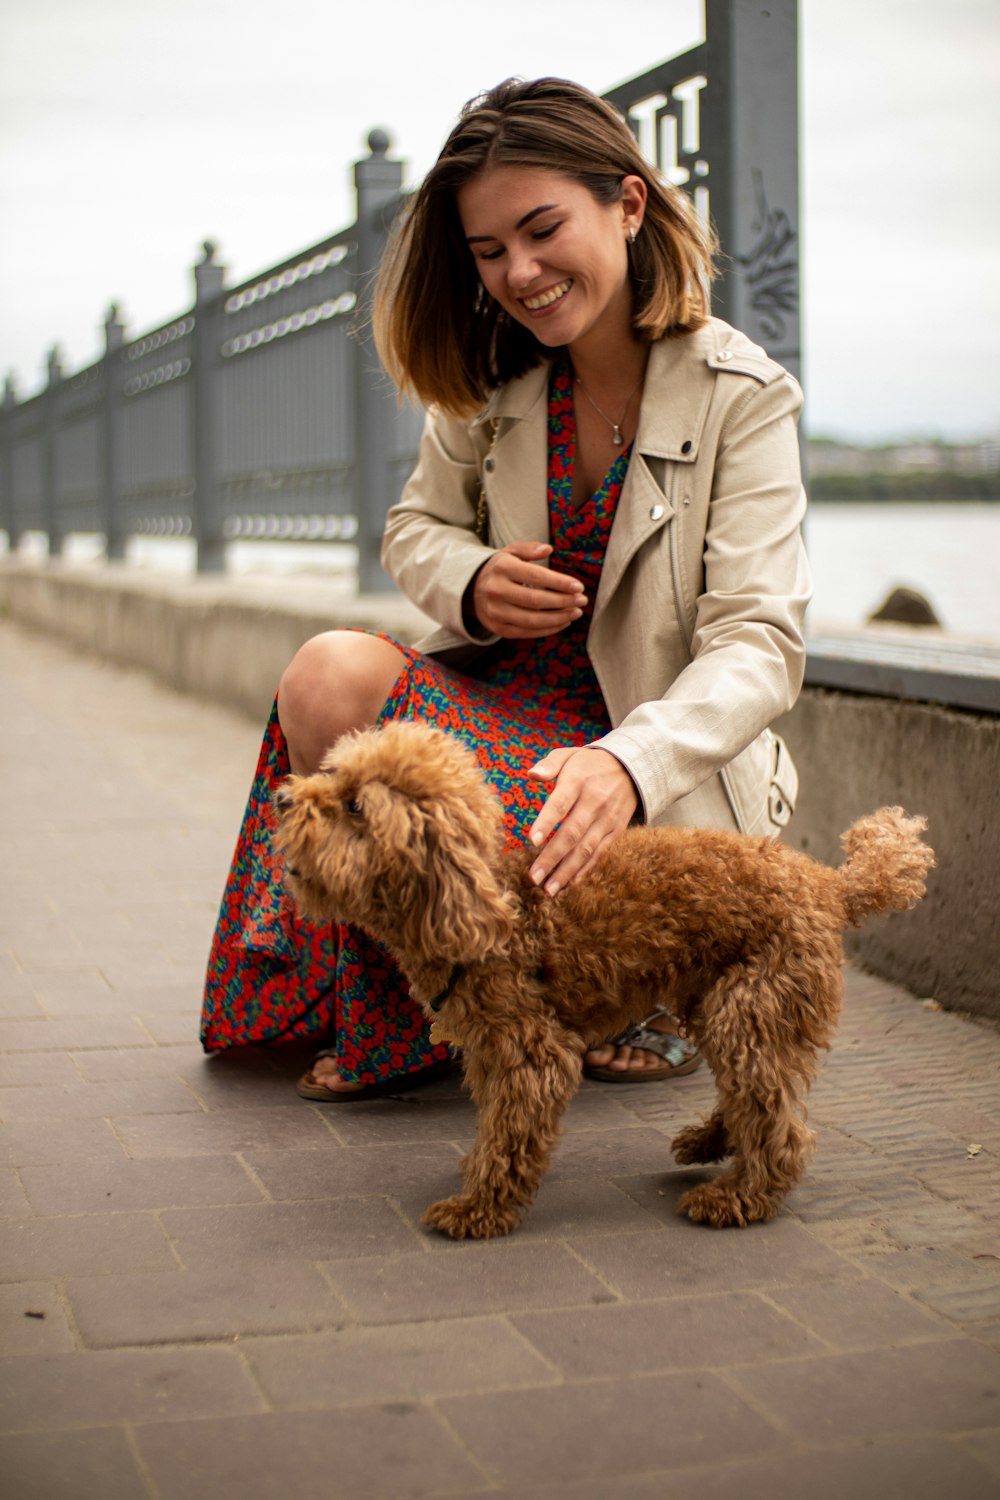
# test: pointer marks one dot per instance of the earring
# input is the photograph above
(631, 234)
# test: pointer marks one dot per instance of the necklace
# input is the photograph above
(616, 427)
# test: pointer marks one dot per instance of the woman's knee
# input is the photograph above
(336, 682)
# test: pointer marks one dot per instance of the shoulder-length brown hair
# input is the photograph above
(440, 336)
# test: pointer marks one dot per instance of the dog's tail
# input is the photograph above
(886, 865)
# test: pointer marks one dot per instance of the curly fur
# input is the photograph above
(739, 937)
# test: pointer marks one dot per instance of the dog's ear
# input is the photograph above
(440, 888)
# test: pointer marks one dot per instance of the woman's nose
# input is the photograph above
(522, 269)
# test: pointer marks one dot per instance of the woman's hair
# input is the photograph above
(440, 335)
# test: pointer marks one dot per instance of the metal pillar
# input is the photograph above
(209, 281)
(114, 520)
(51, 520)
(8, 516)
(750, 136)
(378, 182)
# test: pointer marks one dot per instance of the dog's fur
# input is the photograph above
(738, 937)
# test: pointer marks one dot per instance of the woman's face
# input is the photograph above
(553, 257)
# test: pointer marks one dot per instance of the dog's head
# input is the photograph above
(399, 834)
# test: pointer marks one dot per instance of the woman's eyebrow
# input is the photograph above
(473, 239)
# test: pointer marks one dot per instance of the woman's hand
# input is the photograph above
(513, 596)
(594, 800)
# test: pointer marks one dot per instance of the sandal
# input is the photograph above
(679, 1055)
(309, 1088)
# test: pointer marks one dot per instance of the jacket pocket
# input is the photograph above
(762, 785)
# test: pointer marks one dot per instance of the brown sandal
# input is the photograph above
(679, 1055)
(387, 1088)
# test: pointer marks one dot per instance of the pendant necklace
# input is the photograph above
(616, 427)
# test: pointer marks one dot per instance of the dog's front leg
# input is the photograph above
(521, 1081)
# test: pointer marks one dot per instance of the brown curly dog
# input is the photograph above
(740, 938)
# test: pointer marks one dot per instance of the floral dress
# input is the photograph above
(271, 974)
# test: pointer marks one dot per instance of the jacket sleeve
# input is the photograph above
(746, 644)
(430, 547)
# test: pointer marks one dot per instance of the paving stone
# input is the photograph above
(208, 1237)
(69, 1465)
(968, 1302)
(170, 1030)
(61, 1101)
(114, 1185)
(606, 1429)
(925, 1268)
(919, 1469)
(472, 1278)
(32, 1141)
(223, 1131)
(21, 1069)
(184, 1306)
(33, 1320)
(405, 1362)
(691, 1258)
(81, 1245)
(132, 1065)
(99, 1387)
(394, 1451)
(939, 1387)
(430, 1167)
(66, 1035)
(13, 1203)
(73, 995)
(985, 1446)
(639, 1338)
(858, 1314)
(611, 1154)
(20, 1007)
(563, 1207)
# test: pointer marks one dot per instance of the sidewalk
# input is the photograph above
(212, 1289)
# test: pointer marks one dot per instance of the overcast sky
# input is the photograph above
(131, 130)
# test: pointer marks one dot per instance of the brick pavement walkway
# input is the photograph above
(211, 1288)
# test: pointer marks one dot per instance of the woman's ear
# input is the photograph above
(633, 203)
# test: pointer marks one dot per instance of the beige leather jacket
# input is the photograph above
(696, 637)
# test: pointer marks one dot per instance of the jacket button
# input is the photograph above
(724, 356)
(489, 465)
(686, 446)
(657, 513)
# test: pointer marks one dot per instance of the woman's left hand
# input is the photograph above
(593, 801)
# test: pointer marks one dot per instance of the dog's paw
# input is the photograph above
(471, 1219)
(701, 1143)
(723, 1206)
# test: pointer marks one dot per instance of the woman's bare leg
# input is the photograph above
(336, 682)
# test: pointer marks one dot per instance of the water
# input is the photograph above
(949, 552)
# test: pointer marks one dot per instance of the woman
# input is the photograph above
(604, 518)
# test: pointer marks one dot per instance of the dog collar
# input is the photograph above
(456, 974)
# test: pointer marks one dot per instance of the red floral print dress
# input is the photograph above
(272, 975)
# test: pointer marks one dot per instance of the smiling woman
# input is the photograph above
(604, 522)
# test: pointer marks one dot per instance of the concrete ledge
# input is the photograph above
(230, 639)
(227, 639)
(856, 753)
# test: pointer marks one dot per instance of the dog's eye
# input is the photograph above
(353, 807)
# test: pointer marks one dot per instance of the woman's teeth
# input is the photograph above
(545, 299)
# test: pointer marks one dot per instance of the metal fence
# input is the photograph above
(262, 411)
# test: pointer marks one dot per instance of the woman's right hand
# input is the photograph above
(515, 597)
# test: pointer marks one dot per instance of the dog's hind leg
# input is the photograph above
(764, 1059)
(706, 1142)
(521, 1085)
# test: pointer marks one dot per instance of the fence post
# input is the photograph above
(378, 182)
(206, 521)
(50, 477)
(750, 131)
(114, 527)
(9, 520)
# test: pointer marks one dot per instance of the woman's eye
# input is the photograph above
(544, 234)
(490, 254)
